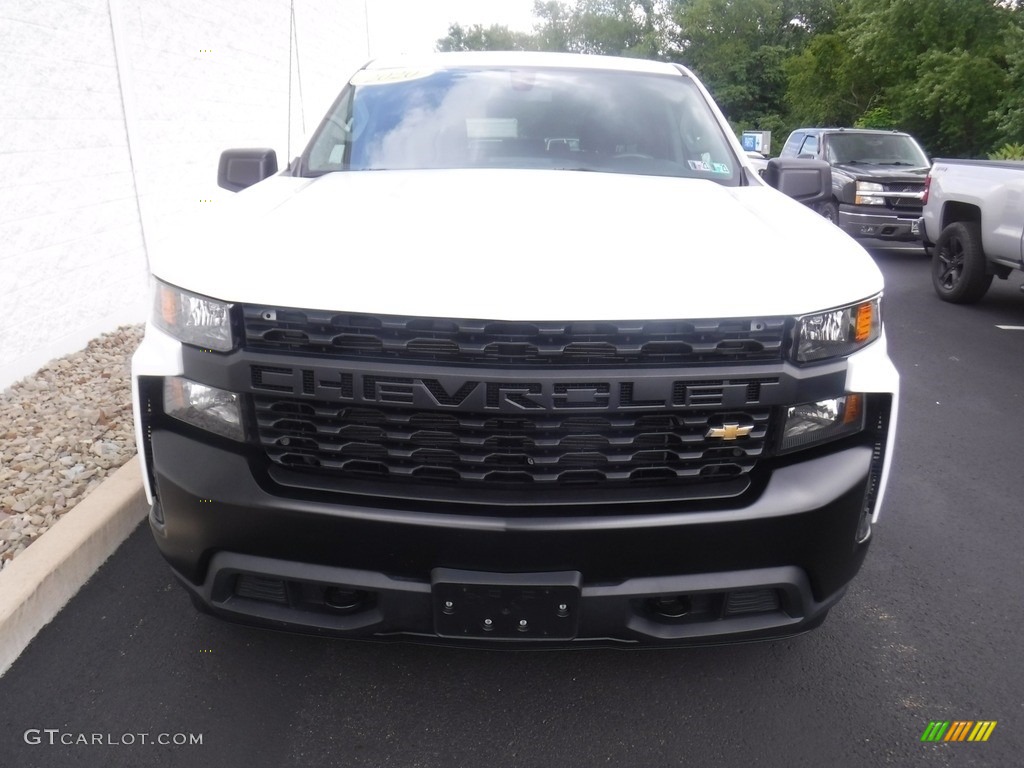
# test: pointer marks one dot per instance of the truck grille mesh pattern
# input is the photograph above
(518, 344)
(506, 449)
(904, 203)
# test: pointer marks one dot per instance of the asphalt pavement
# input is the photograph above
(930, 630)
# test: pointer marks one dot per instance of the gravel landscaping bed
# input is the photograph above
(62, 431)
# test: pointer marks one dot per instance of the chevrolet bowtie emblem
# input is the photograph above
(729, 431)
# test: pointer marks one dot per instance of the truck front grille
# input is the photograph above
(905, 203)
(502, 450)
(460, 342)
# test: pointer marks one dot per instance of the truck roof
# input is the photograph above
(523, 59)
(880, 131)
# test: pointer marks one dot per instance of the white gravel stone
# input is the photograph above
(65, 428)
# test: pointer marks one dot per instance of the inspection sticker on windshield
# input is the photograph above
(698, 165)
(720, 168)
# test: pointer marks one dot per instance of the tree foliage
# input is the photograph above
(739, 49)
(937, 68)
(1009, 113)
(1008, 152)
(608, 27)
(949, 71)
(824, 87)
(479, 38)
(948, 105)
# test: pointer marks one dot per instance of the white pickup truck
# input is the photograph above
(974, 223)
(520, 349)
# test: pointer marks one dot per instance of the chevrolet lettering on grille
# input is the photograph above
(452, 392)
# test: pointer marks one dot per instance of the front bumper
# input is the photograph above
(871, 221)
(771, 568)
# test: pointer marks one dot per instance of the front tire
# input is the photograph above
(830, 211)
(958, 264)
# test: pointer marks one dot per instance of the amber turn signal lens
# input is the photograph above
(852, 412)
(865, 316)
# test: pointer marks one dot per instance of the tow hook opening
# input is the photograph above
(709, 606)
(345, 600)
(303, 595)
(671, 606)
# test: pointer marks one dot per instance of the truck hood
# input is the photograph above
(883, 173)
(518, 245)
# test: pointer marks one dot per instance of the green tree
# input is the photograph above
(948, 105)
(1008, 115)
(826, 86)
(893, 35)
(739, 48)
(554, 27)
(608, 27)
(937, 68)
(879, 118)
(496, 37)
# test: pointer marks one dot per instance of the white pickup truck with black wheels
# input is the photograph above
(974, 225)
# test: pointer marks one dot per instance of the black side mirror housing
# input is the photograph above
(241, 168)
(806, 181)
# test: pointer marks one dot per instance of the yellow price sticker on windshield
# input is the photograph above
(388, 75)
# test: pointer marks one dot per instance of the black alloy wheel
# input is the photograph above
(958, 264)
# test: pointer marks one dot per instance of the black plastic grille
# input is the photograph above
(504, 450)
(904, 203)
(448, 341)
(904, 186)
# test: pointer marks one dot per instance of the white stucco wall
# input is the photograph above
(113, 114)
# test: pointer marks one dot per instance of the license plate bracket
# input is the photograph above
(505, 606)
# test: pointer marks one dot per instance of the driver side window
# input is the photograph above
(810, 147)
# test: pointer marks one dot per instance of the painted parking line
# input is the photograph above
(1010, 327)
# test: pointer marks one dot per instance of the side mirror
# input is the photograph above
(806, 181)
(241, 168)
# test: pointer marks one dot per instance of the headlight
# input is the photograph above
(865, 196)
(821, 422)
(209, 408)
(838, 332)
(192, 319)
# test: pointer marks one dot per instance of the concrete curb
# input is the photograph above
(40, 581)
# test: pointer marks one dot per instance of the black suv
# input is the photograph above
(877, 179)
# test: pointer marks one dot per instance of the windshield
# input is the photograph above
(587, 120)
(875, 149)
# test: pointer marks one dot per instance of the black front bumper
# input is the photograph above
(879, 223)
(645, 573)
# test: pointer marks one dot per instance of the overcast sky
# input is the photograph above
(413, 26)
